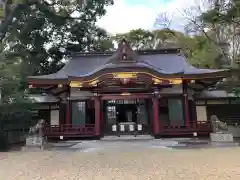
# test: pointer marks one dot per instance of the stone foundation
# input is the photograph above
(35, 142)
(221, 137)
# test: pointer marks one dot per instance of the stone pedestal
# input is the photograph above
(221, 137)
(35, 141)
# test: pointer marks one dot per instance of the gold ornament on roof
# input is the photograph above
(74, 84)
(125, 75)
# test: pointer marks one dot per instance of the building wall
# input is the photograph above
(177, 89)
(234, 130)
(224, 110)
(75, 93)
(54, 117)
(201, 113)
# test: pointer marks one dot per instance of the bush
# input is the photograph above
(4, 145)
(11, 125)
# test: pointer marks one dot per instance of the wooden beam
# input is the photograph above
(60, 92)
(125, 96)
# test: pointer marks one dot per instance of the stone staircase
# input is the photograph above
(127, 137)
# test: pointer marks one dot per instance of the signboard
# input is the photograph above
(195, 134)
(114, 128)
(139, 127)
(122, 128)
(131, 127)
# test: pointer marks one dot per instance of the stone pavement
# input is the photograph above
(129, 145)
(166, 159)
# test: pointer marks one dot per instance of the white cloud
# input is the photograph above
(122, 17)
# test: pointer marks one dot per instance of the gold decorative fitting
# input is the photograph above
(60, 85)
(94, 83)
(175, 81)
(125, 75)
(157, 81)
(74, 84)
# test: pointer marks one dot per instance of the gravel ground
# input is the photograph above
(141, 164)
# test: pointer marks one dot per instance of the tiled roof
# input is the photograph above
(165, 62)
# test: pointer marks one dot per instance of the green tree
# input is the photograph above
(42, 33)
(139, 38)
(198, 49)
(220, 25)
(37, 35)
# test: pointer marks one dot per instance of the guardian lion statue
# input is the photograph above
(38, 128)
(217, 125)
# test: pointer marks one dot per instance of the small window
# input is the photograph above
(81, 106)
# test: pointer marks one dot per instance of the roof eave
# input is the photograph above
(46, 81)
(209, 75)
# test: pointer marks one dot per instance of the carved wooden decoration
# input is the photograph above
(124, 53)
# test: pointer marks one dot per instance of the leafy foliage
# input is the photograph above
(42, 33)
(36, 36)
(198, 49)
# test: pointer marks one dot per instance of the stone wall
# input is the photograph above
(234, 130)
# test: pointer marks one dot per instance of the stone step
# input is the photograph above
(127, 137)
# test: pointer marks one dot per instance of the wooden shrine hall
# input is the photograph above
(127, 92)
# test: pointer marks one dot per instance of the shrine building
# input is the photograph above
(126, 92)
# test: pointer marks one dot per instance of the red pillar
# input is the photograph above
(68, 120)
(186, 106)
(97, 104)
(186, 109)
(156, 124)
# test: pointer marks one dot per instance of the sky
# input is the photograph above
(125, 15)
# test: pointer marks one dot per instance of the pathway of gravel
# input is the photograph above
(141, 164)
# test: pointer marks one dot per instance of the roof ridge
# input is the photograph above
(140, 52)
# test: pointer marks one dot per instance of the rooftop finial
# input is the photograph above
(124, 49)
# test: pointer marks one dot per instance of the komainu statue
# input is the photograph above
(38, 128)
(217, 125)
(35, 136)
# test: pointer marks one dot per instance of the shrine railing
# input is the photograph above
(199, 127)
(69, 130)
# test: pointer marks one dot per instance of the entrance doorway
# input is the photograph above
(171, 112)
(126, 113)
(126, 117)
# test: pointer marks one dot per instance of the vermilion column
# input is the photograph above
(68, 120)
(97, 104)
(156, 124)
(186, 109)
(186, 106)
